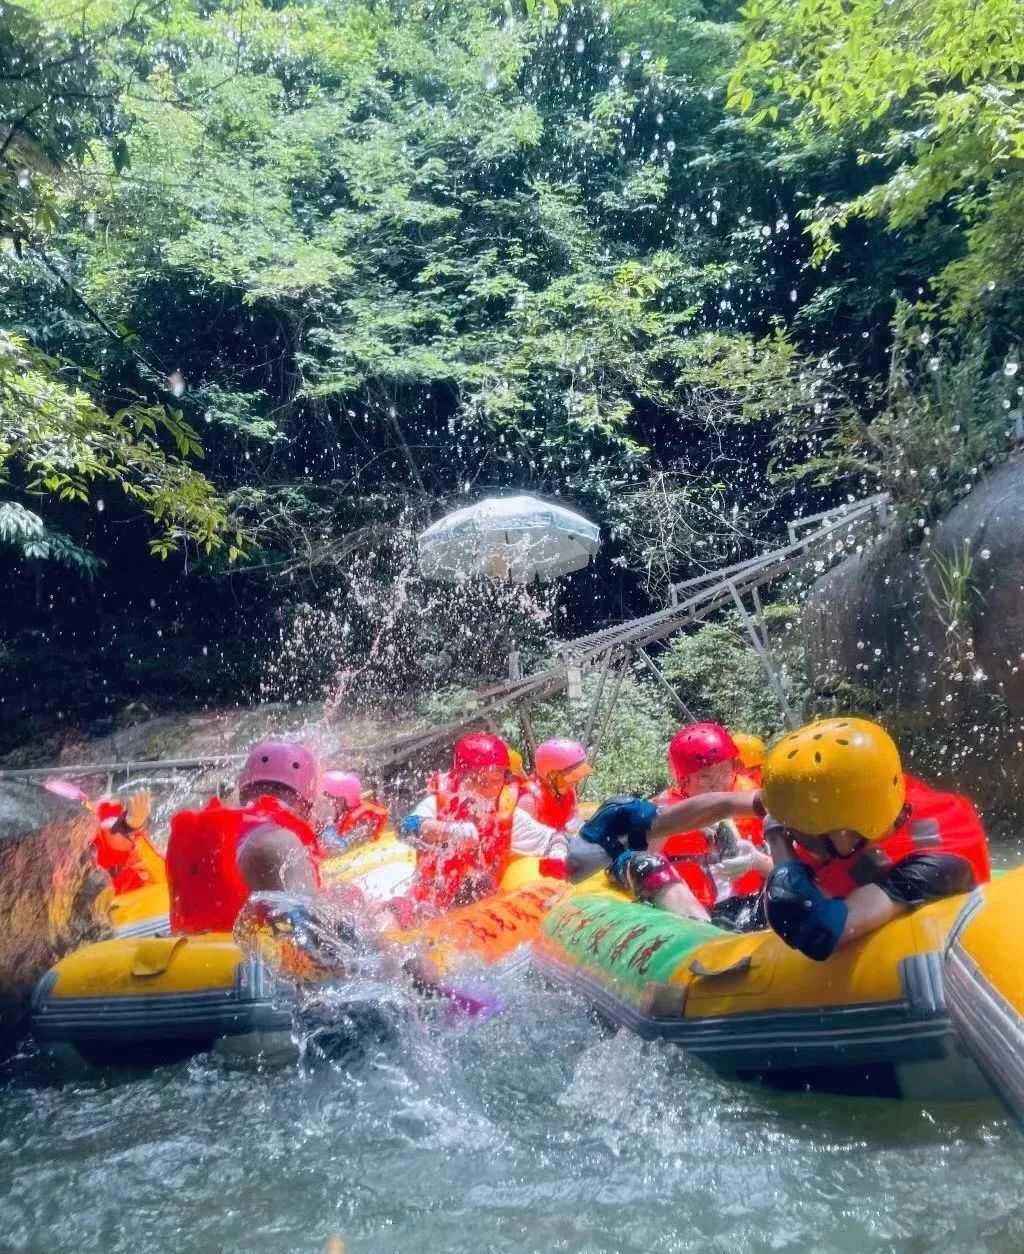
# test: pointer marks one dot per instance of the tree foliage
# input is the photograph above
(280, 282)
(62, 431)
(930, 91)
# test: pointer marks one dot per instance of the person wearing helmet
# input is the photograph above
(217, 856)
(461, 831)
(354, 820)
(855, 841)
(727, 860)
(549, 801)
(702, 758)
(750, 750)
(121, 844)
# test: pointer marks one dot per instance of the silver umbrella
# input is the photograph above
(519, 538)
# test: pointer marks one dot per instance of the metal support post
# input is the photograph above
(573, 679)
(762, 626)
(766, 662)
(676, 698)
(606, 721)
(529, 735)
(592, 712)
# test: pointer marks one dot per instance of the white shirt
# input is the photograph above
(529, 838)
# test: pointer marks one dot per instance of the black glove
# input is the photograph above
(620, 823)
(802, 915)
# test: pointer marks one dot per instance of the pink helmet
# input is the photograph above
(281, 762)
(66, 789)
(559, 754)
(699, 746)
(344, 786)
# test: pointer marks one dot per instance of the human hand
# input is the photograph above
(138, 808)
(743, 860)
(620, 820)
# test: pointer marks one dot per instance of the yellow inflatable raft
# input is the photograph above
(145, 999)
(983, 980)
(871, 1019)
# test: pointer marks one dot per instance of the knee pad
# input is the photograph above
(643, 875)
(802, 915)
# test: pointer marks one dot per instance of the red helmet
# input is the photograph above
(108, 810)
(699, 746)
(476, 752)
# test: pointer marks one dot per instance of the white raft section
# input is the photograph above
(990, 1026)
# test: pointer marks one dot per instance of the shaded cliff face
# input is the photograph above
(939, 632)
(52, 897)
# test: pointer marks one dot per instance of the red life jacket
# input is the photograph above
(442, 870)
(940, 822)
(553, 809)
(126, 856)
(694, 853)
(363, 822)
(206, 889)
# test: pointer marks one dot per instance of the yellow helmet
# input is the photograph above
(751, 749)
(838, 774)
(515, 761)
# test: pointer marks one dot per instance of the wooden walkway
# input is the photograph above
(832, 534)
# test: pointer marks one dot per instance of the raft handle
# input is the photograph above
(153, 955)
(741, 964)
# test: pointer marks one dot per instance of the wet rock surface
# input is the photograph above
(938, 631)
(52, 898)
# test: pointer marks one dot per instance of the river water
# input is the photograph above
(535, 1131)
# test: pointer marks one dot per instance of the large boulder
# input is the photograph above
(52, 897)
(937, 631)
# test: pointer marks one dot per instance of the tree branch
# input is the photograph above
(16, 127)
(93, 313)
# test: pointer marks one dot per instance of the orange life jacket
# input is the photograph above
(940, 822)
(127, 856)
(362, 823)
(442, 869)
(694, 853)
(553, 809)
(206, 889)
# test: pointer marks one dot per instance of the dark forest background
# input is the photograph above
(282, 282)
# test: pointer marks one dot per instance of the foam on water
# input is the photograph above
(535, 1131)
